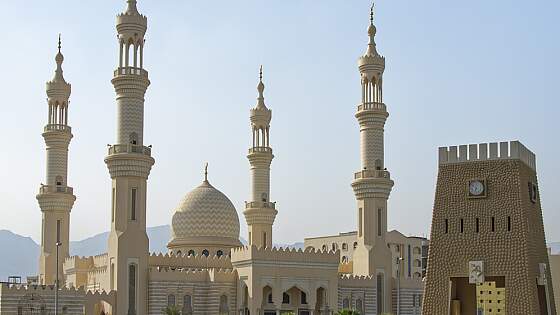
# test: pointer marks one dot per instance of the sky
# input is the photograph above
(457, 72)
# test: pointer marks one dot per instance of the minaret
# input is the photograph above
(129, 163)
(372, 184)
(260, 212)
(55, 197)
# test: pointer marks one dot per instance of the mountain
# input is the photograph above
(97, 244)
(21, 254)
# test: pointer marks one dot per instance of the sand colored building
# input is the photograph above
(554, 260)
(206, 269)
(487, 230)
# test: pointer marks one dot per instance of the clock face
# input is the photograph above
(476, 188)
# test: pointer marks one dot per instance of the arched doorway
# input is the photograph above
(321, 305)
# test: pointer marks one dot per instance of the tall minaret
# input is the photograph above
(260, 212)
(55, 197)
(372, 184)
(129, 163)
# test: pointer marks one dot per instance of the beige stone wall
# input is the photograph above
(512, 254)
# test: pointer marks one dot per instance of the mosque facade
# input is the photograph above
(207, 270)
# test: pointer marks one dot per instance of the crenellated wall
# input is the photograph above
(285, 254)
(513, 150)
(26, 299)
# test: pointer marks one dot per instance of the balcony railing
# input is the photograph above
(46, 189)
(130, 148)
(57, 127)
(260, 149)
(130, 71)
(372, 106)
(260, 204)
(372, 174)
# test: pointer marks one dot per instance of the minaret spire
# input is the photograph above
(260, 88)
(131, 8)
(58, 74)
(260, 212)
(55, 197)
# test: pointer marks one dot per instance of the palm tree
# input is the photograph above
(348, 312)
(171, 310)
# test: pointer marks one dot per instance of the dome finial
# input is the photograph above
(206, 172)
(261, 74)
(59, 42)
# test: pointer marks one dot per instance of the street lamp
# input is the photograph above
(399, 259)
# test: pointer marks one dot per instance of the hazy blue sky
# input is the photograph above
(457, 72)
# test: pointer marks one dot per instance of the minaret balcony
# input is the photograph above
(372, 106)
(49, 189)
(260, 204)
(129, 148)
(260, 150)
(372, 174)
(57, 127)
(131, 71)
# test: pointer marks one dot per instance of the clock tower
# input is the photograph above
(487, 241)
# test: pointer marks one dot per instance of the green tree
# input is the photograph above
(171, 310)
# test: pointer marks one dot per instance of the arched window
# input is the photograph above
(355, 245)
(380, 293)
(179, 253)
(303, 296)
(285, 298)
(132, 289)
(191, 252)
(133, 138)
(171, 300)
(324, 248)
(270, 298)
(220, 253)
(59, 181)
(206, 253)
(344, 259)
(187, 305)
(224, 306)
(334, 247)
(360, 306)
(345, 303)
(344, 246)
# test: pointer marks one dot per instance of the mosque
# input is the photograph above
(207, 270)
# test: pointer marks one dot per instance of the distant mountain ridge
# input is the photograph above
(21, 254)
